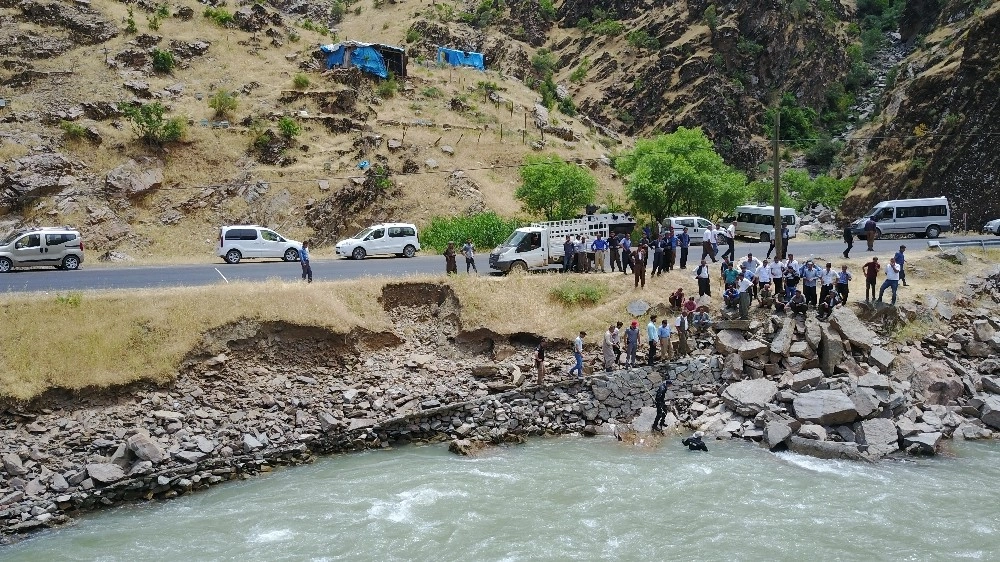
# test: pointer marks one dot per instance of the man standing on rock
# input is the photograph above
(777, 270)
(578, 355)
(870, 270)
(683, 327)
(666, 348)
(827, 277)
(891, 280)
(744, 286)
(684, 241)
(704, 278)
(871, 229)
(608, 349)
(848, 239)
(660, 399)
(631, 344)
(843, 283)
(900, 260)
(810, 276)
(540, 361)
(653, 336)
(616, 342)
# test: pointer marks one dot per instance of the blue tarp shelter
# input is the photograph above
(369, 57)
(455, 57)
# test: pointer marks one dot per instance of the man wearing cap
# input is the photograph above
(695, 443)
(900, 260)
(631, 344)
(682, 327)
(578, 354)
(870, 270)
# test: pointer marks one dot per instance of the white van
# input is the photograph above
(696, 226)
(387, 238)
(757, 221)
(250, 241)
(60, 247)
(919, 217)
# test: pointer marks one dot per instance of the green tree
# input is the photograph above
(554, 188)
(150, 124)
(680, 172)
(223, 102)
(823, 189)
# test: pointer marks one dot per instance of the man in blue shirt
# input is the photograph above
(600, 247)
(307, 270)
(684, 240)
(569, 253)
(810, 274)
(900, 259)
(653, 335)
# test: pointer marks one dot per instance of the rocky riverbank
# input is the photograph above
(260, 395)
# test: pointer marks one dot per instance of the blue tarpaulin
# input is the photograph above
(461, 58)
(362, 55)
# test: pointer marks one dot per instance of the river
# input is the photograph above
(560, 499)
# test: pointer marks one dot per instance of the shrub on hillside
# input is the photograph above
(223, 102)
(163, 61)
(579, 292)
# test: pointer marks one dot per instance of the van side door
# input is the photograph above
(271, 244)
(887, 221)
(58, 245)
(28, 251)
(376, 242)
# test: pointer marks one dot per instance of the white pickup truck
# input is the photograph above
(540, 244)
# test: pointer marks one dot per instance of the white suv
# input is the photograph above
(252, 241)
(386, 238)
(56, 246)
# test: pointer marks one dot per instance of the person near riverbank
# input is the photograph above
(631, 344)
(600, 248)
(827, 305)
(810, 277)
(652, 337)
(848, 239)
(871, 229)
(450, 263)
(731, 297)
(690, 306)
(684, 241)
(700, 320)
(616, 342)
(900, 261)
(469, 251)
(578, 355)
(682, 327)
(844, 279)
(891, 280)
(676, 299)
(540, 361)
(666, 347)
(660, 400)
(608, 349)
(695, 443)
(307, 270)
(870, 271)
(704, 279)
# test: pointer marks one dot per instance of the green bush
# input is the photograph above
(608, 27)
(749, 47)
(289, 127)
(337, 11)
(150, 124)
(387, 88)
(544, 62)
(579, 292)
(412, 35)
(432, 92)
(130, 27)
(300, 81)
(823, 151)
(567, 107)
(163, 61)
(153, 22)
(642, 40)
(72, 131)
(163, 11)
(711, 17)
(798, 123)
(583, 23)
(580, 72)
(72, 299)
(487, 231)
(548, 9)
(221, 16)
(223, 102)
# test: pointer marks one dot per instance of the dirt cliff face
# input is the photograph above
(938, 135)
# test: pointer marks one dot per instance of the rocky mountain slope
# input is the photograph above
(447, 141)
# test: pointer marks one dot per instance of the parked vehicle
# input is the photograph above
(695, 225)
(60, 247)
(251, 241)
(387, 238)
(992, 227)
(919, 217)
(757, 221)
(540, 244)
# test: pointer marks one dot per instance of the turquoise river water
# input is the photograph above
(564, 499)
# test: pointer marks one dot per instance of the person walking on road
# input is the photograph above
(653, 337)
(785, 237)
(849, 240)
(706, 245)
(469, 251)
(307, 270)
(871, 229)
(450, 263)
(730, 234)
(684, 241)
(704, 278)
(631, 344)
(900, 260)
(578, 355)
(870, 270)
(891, 280)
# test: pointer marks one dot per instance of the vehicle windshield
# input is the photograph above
(516, 238)
(361, 235)
(10, 238)
(874, 212)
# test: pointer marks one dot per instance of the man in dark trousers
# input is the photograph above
(704, 278)
(871, 229)
(695, 443)
(660, 399)
(848, 239)
(870, 270)
(684, 240)
(615, 244)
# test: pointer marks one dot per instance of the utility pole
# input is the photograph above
(777, 184)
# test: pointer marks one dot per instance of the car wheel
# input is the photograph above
(765, 237)
(6, 265)
(71, 263)
(291, 254)
(518, 267)
(358, 253)
(933, 231)
(233, 256)
(409, 251)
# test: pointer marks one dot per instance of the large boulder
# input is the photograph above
(783, 339)
(777, 432)
(729, 341)
(12, 464)
(807, 378)
(983, 331)
(136, 177)
(879, 434)
(825, 407)
(146, 449)
(848, 324)
(989, 411)
(922, 443)
(825, 449)
(749, 397)
(105, 473)
(934, 380)
(881, 358)
(831, 350)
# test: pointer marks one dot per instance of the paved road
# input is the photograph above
(124, 277)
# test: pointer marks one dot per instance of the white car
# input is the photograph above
(992, 227)
(250, 241)
(387, 238)
(695, 225)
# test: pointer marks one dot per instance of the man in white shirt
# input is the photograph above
(744, 285)
(682, 328)
(891, 280)
(706, 245)
(578, 355)
(828, 278)
(777, 271)
(730, 241)
(792, 263)
(713, 236)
